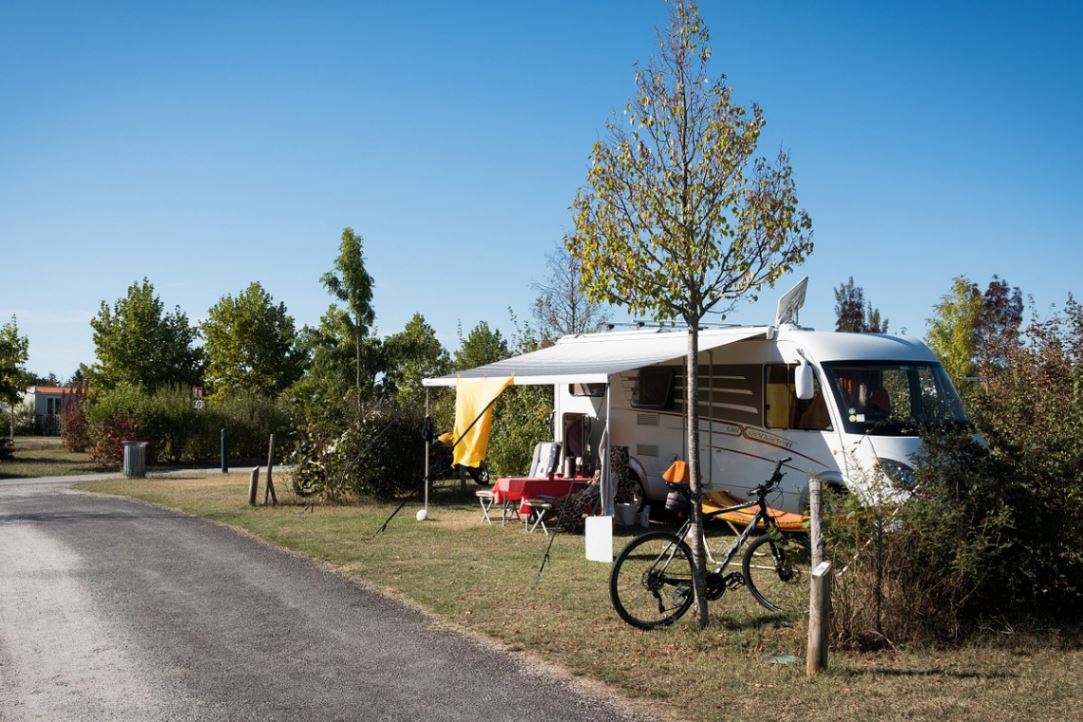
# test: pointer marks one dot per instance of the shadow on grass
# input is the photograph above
(764, 621)
(931, 672)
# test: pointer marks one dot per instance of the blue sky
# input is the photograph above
(207, 145)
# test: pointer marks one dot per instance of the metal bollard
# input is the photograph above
(224, 448)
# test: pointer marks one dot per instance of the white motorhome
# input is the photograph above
(871, 394)
(839, 405)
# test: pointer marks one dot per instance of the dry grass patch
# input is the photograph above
(37, 456)
(483, 579)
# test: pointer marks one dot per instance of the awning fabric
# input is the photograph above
(593, 358)
(474, 398)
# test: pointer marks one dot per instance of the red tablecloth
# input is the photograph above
(517, 488)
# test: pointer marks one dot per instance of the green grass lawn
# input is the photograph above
(472, 577)
(45, 456)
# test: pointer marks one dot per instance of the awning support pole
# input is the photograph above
(710, 427)
(607, 483)
(427, 444)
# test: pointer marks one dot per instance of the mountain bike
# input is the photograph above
(651, 581)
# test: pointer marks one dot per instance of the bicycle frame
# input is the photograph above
(761, 516)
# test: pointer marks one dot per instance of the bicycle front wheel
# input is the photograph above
(777, 573)
(651, 581)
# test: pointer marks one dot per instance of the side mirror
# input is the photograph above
(802, 380)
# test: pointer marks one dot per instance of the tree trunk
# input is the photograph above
(699, 556)
(357, 371)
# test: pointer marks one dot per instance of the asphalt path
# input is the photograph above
(113, 609)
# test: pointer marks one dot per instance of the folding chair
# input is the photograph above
(486, 499)
(539, 508)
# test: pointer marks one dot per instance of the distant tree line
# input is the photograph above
(313, 383)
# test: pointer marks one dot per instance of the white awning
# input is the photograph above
(593, 358)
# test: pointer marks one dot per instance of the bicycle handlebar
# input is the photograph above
(776, 477)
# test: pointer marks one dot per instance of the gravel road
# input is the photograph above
(111, 609)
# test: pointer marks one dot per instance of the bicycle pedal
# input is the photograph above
(734, 580)
(716, 586)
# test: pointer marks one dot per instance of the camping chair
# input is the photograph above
(545, 460)
(737, 520)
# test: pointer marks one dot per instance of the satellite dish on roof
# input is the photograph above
(790, 303)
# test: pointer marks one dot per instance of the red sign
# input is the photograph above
(197, 392)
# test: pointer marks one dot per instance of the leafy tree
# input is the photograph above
(331, 376)
(562, 307)
(874, 323)
(137, 342)
(970, 328)
(14, 351)
(352, 284)
(411, 355)
(251, 344)
(481, 346)
(853, 313)
(1000, 321)
(1029, 406)
(680, 219)
(849, 307)
(953, 327)
(50, 379)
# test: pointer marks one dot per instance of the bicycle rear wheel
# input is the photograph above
(777, 572)
(651, 581)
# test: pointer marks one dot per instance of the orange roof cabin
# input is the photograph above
(46, 403)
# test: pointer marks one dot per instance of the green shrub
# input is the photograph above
(117, 416)
(179, 432)
(74, 428)
(25, 424)
(251, 419)
(7, 449)
(375, 453)
(933, 566)
(993, 533)
(521, 418)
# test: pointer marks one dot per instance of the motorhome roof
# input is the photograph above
(838, 346)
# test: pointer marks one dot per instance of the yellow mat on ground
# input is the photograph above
(716, 500)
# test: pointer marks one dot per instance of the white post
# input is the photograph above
(815, 528)
(427, 444)
(607, 505)
(819, 619)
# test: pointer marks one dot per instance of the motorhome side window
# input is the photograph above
(654, 388)
(729, 393)
(586, 389)
(783, 410)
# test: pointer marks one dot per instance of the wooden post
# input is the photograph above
(223, 448)
(253, 487)
(270, 490)
(816, 519)
(819, 619)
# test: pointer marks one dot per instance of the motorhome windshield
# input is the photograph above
(893, 399)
